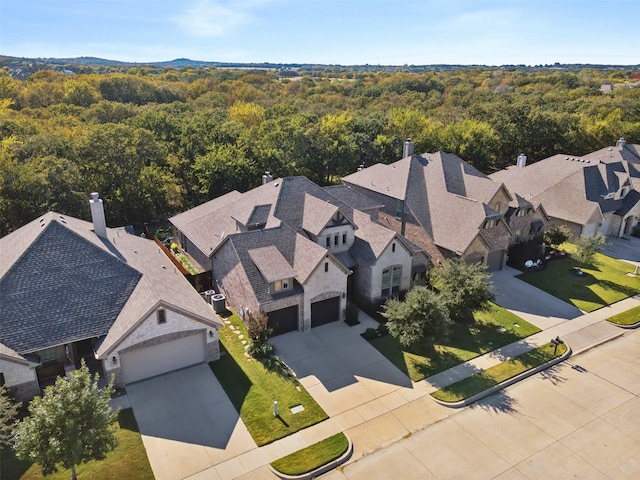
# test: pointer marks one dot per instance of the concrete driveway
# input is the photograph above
(627, 249)
(187, 422)
(349, 378)
(526, 301)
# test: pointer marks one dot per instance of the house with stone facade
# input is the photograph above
(72, 290)
(297, 252)
(447, 207)
(594, 193)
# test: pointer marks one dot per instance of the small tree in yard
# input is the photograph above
(422, 314)
(464, 287)
(556, 235)
(258, 331)
(70, 424)
(8, 415)
(587, 248)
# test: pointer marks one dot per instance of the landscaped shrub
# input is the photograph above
(175, 248)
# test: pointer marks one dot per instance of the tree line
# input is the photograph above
(155, 142)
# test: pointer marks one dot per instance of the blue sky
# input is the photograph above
(386, 32)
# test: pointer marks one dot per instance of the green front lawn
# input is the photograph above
(252, 388)
(499, 373)
(313, 456)
(630, 317)
(128, 460)
(463, 343)
(602, 284)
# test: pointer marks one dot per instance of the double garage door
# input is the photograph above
(164, 357)
(286, 319)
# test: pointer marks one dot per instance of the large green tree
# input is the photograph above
(422, 315)
(465, 288)
(70, 424)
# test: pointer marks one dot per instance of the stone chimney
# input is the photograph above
(621, 142)
(97, 215)
(407, 149)
(266, 178)
(522, 161)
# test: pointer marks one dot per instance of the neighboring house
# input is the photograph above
(447, 207)
(595, 193)
(72, 290)
(296, 251)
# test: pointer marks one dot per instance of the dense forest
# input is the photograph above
(154, 142)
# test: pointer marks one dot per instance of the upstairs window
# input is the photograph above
(162, 316)
(391, 277)
(344, 238)
(328, 241)
(326, 266)
(521, 212)
(393, 247)
(280, 285)
(335, 239)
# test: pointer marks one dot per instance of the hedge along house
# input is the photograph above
(296, 252)
(594, 193)
(443, 204)
(72, 290)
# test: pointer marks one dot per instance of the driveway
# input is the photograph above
(187, 422)
(526, 301)
(627, 249)
(344, 373)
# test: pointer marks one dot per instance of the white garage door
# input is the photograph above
(158, 359)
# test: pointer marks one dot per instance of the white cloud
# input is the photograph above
(215, 18)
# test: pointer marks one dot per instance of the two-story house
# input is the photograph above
(297, 252)
(444, 205)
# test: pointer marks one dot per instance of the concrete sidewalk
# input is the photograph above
(409, 413)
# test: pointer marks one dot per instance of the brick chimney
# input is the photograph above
(97, 215)
(407, 149)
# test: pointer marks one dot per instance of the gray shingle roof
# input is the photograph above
(60, 282)
(272, 265)
(300, 253)
(62, 289)
(574, 188)
(317, 214)
(352, 198)
(436, 188)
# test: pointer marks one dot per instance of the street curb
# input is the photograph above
(506, 383)
(320, 470)
(626, 327)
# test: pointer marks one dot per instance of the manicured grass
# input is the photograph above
(463, 343)
(499, 373)
(602, 284)
(313, 456)
(630, 317)
(128, 460)
(252, 388)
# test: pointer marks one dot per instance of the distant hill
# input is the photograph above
(21, 67)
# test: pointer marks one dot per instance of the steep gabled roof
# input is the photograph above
(295, 253)
(446, 195)
(372, 238)
(60, 282)
(576, 188)
(317, 214)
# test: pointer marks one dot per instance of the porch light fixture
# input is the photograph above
(211, 333)
(114, 359)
